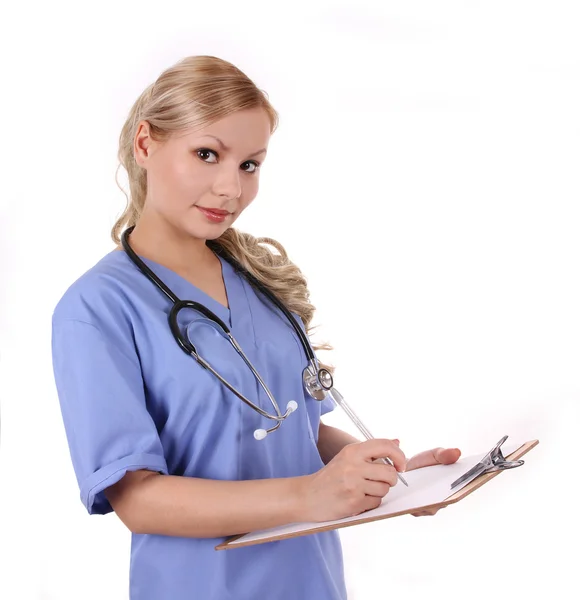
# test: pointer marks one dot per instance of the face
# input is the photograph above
(197, 184)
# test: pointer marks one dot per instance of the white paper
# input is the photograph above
(428, 485)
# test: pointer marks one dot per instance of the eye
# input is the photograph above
(254, 164)
(204, 152)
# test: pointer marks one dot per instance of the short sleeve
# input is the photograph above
(102, 400)
(327, 405)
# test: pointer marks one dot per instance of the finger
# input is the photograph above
(430, 511)
(447, 456)
(427, 512)
(380, 459)
(376, 488)
(371, 502)
(381, 448)
(380, 472)
(436, 456)
(423, 459)
(367, 503)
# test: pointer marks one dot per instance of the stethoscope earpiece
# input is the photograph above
(260, 434)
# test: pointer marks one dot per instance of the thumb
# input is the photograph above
(446, 456)
(436, 456)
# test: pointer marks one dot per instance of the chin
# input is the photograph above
(214, 235)
(207, 232)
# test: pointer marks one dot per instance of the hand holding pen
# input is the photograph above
(351, 483)
(436, 456)
(340, 401)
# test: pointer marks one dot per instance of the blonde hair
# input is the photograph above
(195, 92)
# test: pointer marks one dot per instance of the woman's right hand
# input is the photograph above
(351, 483)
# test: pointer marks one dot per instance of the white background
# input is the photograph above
(424, 177)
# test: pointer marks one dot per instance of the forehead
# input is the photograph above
(244, 130)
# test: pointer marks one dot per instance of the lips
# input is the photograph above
(215, 211)
(214, 215)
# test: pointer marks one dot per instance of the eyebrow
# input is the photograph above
(227, 149)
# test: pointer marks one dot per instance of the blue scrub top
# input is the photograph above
(132, 399)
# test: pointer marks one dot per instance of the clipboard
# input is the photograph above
(295, 530)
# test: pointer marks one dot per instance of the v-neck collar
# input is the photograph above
(185, 290)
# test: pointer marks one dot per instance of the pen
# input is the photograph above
(340, 401)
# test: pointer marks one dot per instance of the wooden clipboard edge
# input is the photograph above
(462, 493)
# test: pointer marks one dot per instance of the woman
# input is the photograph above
(155, 436)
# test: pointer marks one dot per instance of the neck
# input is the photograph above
(164, 244)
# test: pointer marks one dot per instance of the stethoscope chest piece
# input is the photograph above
(317, 381)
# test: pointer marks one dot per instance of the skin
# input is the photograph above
(186, 172)
(191, 170)
(332, 441)
(435, 456)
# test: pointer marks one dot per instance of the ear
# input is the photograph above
(142, 144)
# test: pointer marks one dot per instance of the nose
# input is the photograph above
(227, 183)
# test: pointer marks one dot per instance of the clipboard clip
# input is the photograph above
(493, 461)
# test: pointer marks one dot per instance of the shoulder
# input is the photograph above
(100, 294)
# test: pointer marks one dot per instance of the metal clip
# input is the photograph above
(491, 462)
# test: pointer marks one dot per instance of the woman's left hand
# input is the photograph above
(436, 456)
(428, 458)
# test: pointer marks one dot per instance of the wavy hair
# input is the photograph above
(195, 92)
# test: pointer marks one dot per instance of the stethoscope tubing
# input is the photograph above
(189, 348)
(178, 303)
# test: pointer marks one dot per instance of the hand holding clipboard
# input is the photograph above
(429, 490)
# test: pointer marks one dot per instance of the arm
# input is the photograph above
(119, 459)
(148, 502)
(331, 441)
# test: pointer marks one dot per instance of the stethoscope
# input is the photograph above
(317, 381)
